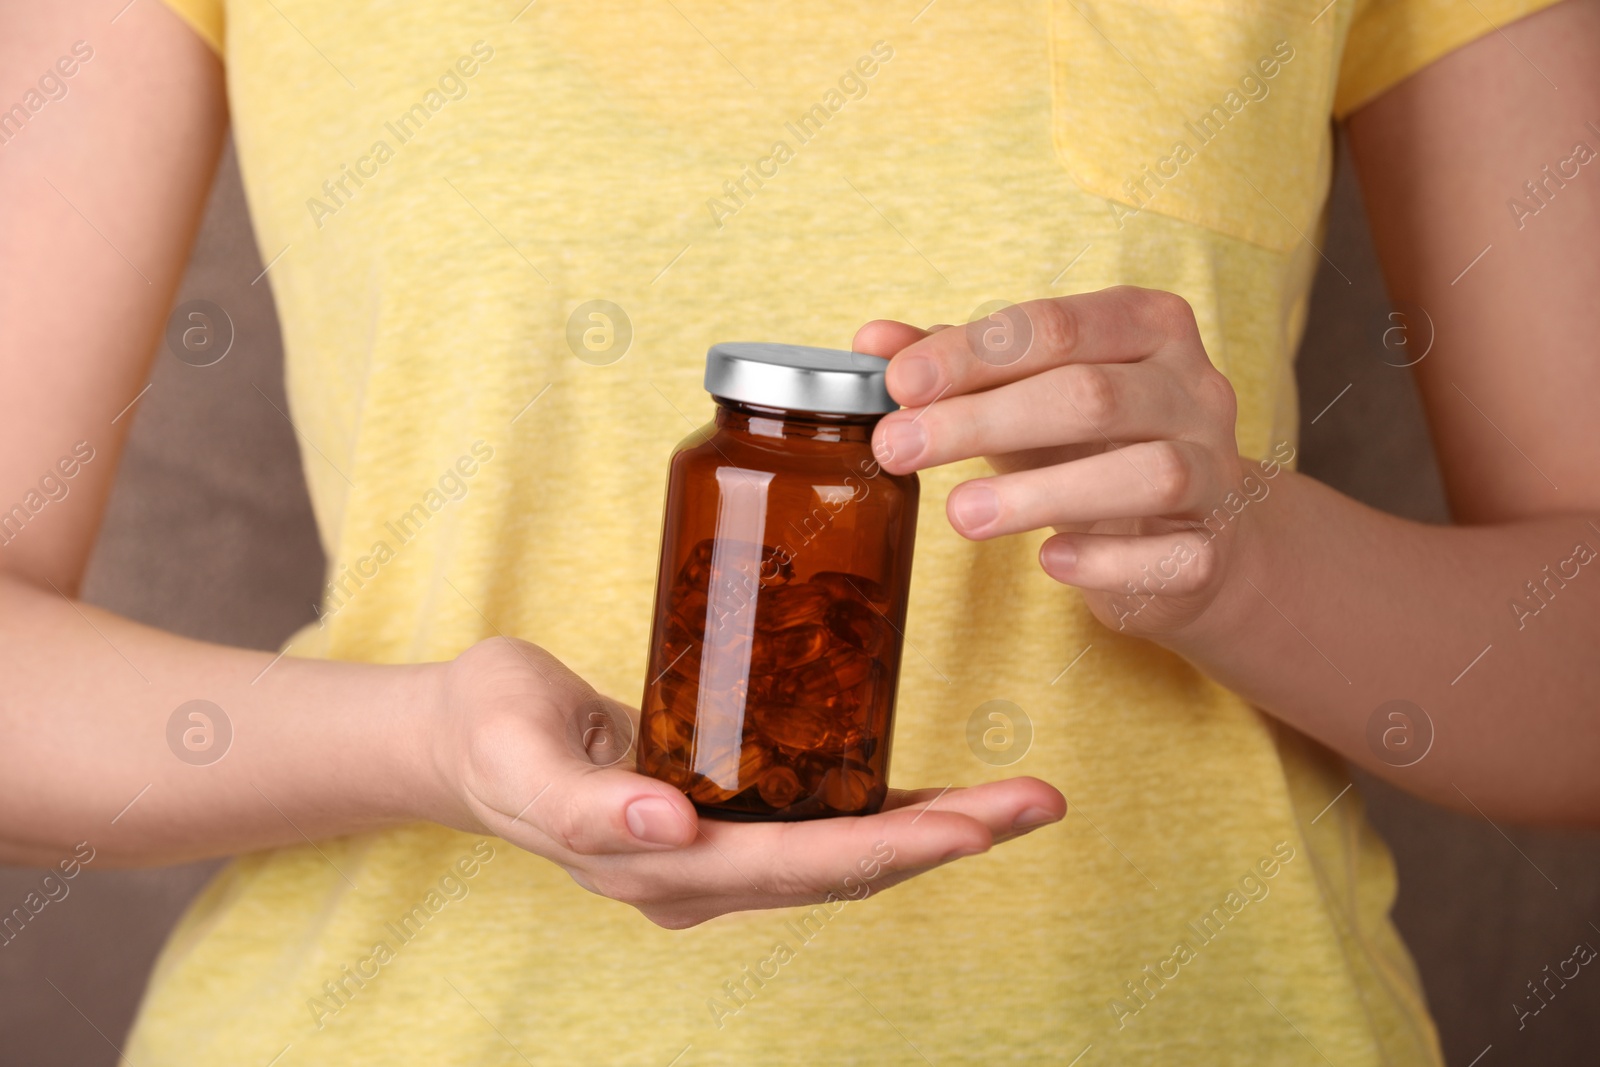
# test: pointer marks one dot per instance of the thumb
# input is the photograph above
(604, 810)
(595, 803)
(548, 762)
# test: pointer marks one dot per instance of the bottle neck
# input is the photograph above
(740, 417)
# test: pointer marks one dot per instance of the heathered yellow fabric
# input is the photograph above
(996, 151)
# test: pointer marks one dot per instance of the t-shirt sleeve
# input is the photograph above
(205, 16)
(1390, 40)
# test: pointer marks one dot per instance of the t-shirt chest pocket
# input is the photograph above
(1212, 111)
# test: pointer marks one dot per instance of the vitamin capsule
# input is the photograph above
(846, 789)
(784, 650)
(779, 787)
(852, 587)
(786, 606)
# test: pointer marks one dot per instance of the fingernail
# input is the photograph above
(654, 820)
(974, 507)
(901, 442)
(1058, 557)
(915, 378)
(1028, 818)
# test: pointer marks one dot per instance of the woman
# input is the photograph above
(439, 852)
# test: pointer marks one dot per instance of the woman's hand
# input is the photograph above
(1105, 420)
(529, 752)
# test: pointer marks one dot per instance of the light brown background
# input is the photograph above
(209, 534)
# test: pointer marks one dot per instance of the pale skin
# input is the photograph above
(497, 741)
(1116, 431)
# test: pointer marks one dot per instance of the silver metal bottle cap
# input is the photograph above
(799, 378)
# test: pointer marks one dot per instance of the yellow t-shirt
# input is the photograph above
(443, 188)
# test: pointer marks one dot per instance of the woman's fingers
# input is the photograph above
(1008, 808)
(591, 811)
(753, 867)
(1116, 325)
(922, 830)
(885, 337)
(998, 805)
(1174, 564)
(1102, 415)
(738, 866)
(594, 802)
(1156, 478)
(796, 861)
(545, 763)
(1073, 404)
(539, 788)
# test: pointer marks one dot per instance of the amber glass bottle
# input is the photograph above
(781, 595)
